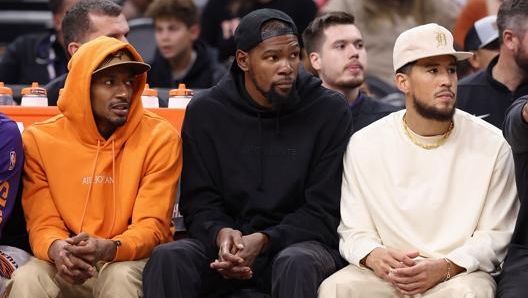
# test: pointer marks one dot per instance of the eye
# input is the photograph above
(452, 70)
(294, 55)
(109, 82)
(432, 70)
(359, 45)
(129, 82)
(272, 58)
(339, 46)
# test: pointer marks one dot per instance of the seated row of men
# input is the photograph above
(285, 192)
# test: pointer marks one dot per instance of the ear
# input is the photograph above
(509, 39)
(194, 30)
(242, 59)
(315, 60)
(474, 60)
(402, 82)
(73, 47)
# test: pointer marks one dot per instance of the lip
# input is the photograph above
(120, 109)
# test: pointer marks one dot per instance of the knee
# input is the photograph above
(33, 270)
(305, 256)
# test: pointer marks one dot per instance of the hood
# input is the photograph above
(74, 103)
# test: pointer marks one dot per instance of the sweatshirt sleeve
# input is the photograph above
(515, 129)
(43, 220)
(487, 247)
(318, 218)
(201, 203)
(357, 232)
(150, 224)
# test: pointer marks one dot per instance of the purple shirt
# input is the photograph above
(11, 164)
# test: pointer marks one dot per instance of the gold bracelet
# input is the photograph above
(448, 274)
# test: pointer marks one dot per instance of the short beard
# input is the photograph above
(431, 112)
(277, 100)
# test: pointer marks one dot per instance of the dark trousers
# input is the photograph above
(513, 282)
(181, 269)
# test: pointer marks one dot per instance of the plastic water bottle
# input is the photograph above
(34, 96)
(6, 95)
(179, 98)
(149, 97)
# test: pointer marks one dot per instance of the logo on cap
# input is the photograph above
(441, 40)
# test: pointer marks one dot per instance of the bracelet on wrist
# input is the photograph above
(448, 273)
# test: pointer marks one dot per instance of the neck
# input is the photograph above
(426, 127)
(351, 94)
(507, 72)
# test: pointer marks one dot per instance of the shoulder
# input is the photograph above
(475, 128)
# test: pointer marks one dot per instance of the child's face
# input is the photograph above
(173, 38)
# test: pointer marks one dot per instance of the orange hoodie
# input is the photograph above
(122, 188)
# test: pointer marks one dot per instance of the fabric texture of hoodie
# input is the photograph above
(122, 188)
(259, 170)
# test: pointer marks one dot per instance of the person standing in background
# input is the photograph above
(181, 57)
(488, 94)
(37, 57)
(337, 52)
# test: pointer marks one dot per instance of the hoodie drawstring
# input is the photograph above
(92, 179)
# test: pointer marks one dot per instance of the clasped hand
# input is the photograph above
(408, 275)
(75, 257)
(236, 253)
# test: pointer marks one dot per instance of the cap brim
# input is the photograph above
(488, 42)
(135, 66)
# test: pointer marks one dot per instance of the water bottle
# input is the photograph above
(179, 98)
(6, 95)
(34, 96)
(149, 97)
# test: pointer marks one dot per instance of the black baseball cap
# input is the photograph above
(248, 33)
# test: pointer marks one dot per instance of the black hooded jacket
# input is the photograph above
(261, 170)
(204, 73)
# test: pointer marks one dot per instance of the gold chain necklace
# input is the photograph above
(427, 146)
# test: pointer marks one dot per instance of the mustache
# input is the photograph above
(445, 91)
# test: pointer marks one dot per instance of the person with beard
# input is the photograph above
(181, 57)
(336, 51)
(410, 222)
(262, 173)
(488, 93)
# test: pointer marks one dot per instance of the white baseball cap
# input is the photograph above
(424, 41)
(482, 33)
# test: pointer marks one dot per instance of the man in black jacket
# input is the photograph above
(487, 94)
(261, 180)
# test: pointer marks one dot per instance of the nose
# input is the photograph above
(353, 51)
(286, 67)
(123, 90)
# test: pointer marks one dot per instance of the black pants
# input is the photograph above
(181, 269)
(513, 282)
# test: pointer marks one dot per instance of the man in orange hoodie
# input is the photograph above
(100, 181)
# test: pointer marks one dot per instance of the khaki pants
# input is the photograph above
(354, 282)
(38, 278)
